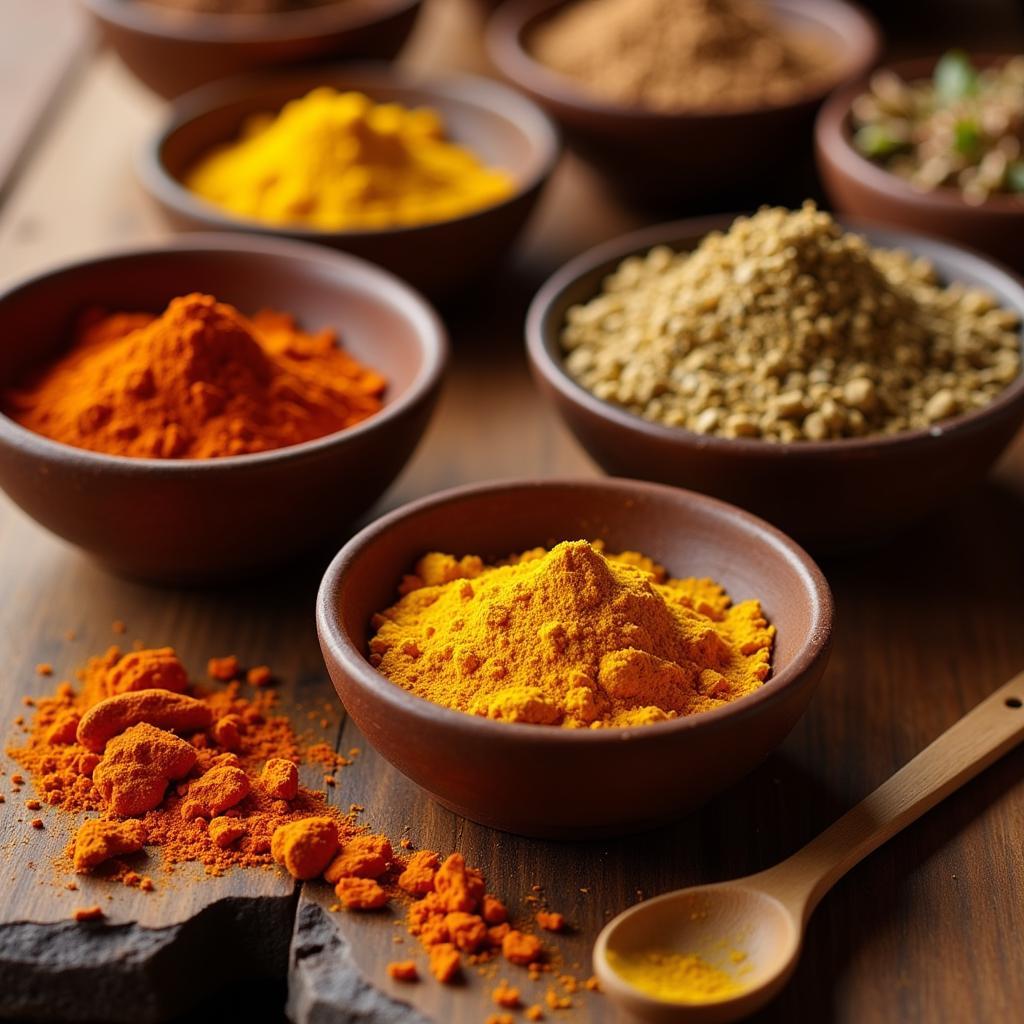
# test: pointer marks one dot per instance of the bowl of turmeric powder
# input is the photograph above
(214, 407)
(173, 46)
(573, 658)
(432, 179)
(842, 380)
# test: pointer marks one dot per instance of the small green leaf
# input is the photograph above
(955, 77)
(966, 137)
(875, 140)
(1015, 176)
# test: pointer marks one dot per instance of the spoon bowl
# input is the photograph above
(736, 927)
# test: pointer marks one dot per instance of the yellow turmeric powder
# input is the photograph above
(200, 381)
(677, 977)
(338, 161)
(570, 637)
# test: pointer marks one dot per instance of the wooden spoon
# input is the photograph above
(753, 928)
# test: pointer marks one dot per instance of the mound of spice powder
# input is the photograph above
(673, 55)
(337, 161)
(570, 637)
(787, 328)
(201, 381)
(207, 775)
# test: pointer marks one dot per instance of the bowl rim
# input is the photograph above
(545, 358)
(225, 28)
(344, 650)
(833, 135)
(488, 96)
(428, 330)
(508, 24)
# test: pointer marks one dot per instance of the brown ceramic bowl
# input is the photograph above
(206, 520)
(830, 494)
(862, 188)
(173, 51)
(526, 778)
(504, 129)
(673, 156)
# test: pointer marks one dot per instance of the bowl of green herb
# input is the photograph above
(935, 146)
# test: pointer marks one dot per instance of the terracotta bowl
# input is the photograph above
(526, 778)
(830, 494)
(861, 188)
(172, 51)
(675, 157)
(208, 520)
(503, 128)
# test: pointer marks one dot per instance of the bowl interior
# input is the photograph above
(843, 31)
(501, 128)
(689, 534)
(580, 281)
(375, 317)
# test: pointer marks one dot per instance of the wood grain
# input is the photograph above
(927, 626)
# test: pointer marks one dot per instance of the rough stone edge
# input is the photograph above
(130, 974)
(326, 986)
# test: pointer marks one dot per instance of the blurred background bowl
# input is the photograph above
(678, 159)
(208, 520)
(861, 188)
(501, 127)
(526, 778)
(827, 494)
(175, 51)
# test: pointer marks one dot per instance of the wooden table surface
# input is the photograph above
(925, 930)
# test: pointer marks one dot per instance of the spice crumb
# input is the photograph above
(118, 626)
(44, 668)
(94, 913)
(403, 970)
(33, 805)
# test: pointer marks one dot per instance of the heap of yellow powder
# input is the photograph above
(338, 161)
(570, 637)
(678, 977)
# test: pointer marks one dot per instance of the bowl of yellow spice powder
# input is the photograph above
(431, 179)
(573, 658)
(212, 408)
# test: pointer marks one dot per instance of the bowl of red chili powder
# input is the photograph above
(214, 407)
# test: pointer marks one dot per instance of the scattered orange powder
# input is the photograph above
(94, 913)
(225, 669)
(506, 996)
(62, 770)
(550, 921)
(403, 970)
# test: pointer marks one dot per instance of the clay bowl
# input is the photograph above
(208, 520)
(503, 128)
(830, 495)
(861, 188)
(527, 778)
(173, 51)
(675, 157)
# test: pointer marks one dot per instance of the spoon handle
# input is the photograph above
(977, 740)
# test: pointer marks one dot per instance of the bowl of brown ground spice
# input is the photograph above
(841, 380)
(555, 693)
(194, 438)
(671, 98)
(173, 46)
